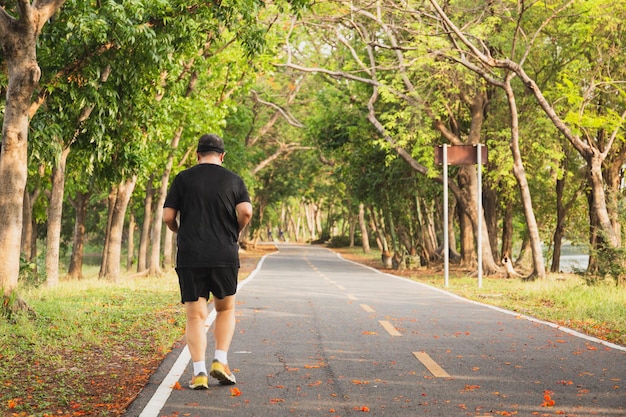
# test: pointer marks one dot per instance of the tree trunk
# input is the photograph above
(55, 215)
(428, 233)
(18, 38)
(507, 231)
(114, 250)
(365, 240)
(154, 267)
(539, 268)
(130, 253)
(29, 233)
(78, 248)
(352, 231)
(613, 176)
(111, 199)
(23, 73)
(468, 245)
(144, 239)
(490, 205)
(310, 220)
(27, 227)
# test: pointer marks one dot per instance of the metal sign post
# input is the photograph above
(462, 155)
(479, 207)
(446, 235)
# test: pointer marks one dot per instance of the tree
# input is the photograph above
(18, 38)
(590, 129)
(414, 100)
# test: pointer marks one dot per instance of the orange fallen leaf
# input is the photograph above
(363, 408)
(547, 399)
(177, 386)
(12, 403)
(235, 392)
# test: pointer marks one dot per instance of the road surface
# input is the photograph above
(321, 336)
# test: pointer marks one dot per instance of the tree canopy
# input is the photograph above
(325, 107)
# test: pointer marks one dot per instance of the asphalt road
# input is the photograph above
(321, 336)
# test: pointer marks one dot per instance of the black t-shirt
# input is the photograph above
(206, 195)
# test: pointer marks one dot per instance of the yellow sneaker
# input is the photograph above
(222, 373)
(200, 381)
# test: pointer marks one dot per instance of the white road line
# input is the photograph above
(502, 310)
(162, 393)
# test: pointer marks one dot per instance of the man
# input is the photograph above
(214, 207)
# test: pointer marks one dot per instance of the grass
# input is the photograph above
(89, 347)
(566, 299)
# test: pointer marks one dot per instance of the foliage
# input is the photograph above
(611, 263)
(79, 324)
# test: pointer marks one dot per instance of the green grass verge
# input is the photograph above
(90, 346)
(566, 299)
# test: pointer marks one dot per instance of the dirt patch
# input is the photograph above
(250, 257)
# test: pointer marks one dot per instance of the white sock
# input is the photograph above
(198, 367)
(222, 356)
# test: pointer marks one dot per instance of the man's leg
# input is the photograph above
(197, 313)
(224, 322)
(223, 333)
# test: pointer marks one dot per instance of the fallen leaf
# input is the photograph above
(357, 382)
(235, 392)
(363, 408)
(177, 386)
(547, 399)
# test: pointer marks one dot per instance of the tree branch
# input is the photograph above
(285, 113)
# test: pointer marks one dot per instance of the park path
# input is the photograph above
(321, 336)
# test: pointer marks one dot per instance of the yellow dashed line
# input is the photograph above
(431, 365)
(390, 328)
(367, 308)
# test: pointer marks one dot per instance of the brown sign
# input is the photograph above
(461, 155)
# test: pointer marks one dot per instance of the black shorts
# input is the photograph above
(200, 282)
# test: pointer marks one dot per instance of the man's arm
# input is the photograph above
(244, 214)
(169, 217)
